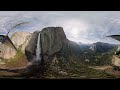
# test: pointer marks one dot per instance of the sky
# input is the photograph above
(79, 26)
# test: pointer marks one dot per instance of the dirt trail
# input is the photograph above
(101, 67)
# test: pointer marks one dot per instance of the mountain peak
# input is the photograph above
(102, 47)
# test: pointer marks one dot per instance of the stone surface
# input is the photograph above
(53, 39)
(7, 52)
(116, 60)
(20, 40)
(30, 49)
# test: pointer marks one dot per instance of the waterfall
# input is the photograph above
(0, 46)
(38, 49)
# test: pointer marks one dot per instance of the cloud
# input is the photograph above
(79, 26)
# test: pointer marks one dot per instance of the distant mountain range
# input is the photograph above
(98, 53)
(99, 47)
(102, 47)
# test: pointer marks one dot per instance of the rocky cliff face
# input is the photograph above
(54, 50)
(30, 49)
(7, 52)
(20, 40)
(52, 41)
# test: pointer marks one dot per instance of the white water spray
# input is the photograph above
(38, 49)
(0, 46)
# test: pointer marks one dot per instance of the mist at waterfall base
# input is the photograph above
(86, 27)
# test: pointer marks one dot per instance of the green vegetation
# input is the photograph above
(98, 58)
(18, 61)
(63, 68)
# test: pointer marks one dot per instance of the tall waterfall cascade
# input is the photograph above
(38, 49)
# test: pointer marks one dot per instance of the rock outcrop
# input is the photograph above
(7, 52)
(53, 39)
(20, 40)
(116, 58)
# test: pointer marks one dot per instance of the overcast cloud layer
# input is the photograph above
(79, 26)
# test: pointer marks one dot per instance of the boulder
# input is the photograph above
(116, 60)
(7, 52)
